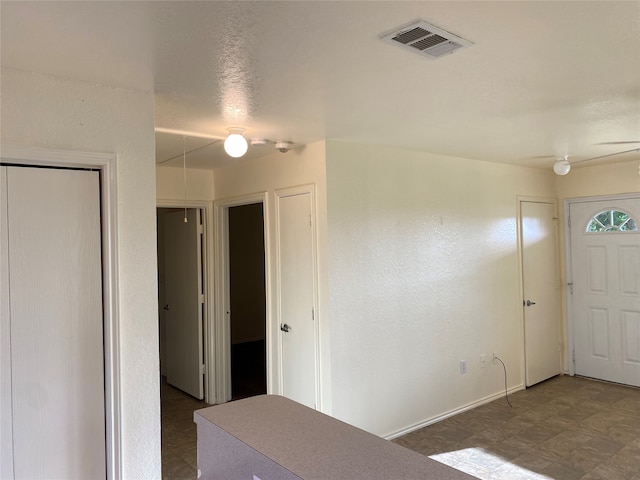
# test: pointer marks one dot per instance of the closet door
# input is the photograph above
(56, 323)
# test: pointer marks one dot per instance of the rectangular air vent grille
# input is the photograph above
(428, 42)
(412, 35)
(426, 39)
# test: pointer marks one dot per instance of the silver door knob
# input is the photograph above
(284, 327)
(529, 303)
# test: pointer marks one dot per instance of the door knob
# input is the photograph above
(166, 307)
(284, 327)
(529, 303)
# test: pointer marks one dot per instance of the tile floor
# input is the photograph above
(566, 428)
(178, 433)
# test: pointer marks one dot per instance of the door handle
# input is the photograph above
(528, 303)
(285, 328)
(166, 307)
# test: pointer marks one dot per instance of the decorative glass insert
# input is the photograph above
(612, 221)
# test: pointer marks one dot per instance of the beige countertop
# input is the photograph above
(315, 446)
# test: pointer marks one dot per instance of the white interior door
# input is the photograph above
(296, 274)
(605, 305)
(184, 301)
(55, 318)
(541, 284)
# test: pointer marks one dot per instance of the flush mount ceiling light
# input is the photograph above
(235, 144)
(562, 166)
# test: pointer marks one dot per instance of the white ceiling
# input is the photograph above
(543, 78)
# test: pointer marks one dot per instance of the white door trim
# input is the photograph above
(106, 163)
(222, 327)
(286, 192)
(210, 390)
(568, 267)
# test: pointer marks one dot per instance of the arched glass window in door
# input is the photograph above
(612, 221)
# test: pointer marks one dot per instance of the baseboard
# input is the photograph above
(451, 413)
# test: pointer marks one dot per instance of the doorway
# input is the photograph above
(247, 295)
(181, 298)
(540, 289)
(604, 287)
(105, 394)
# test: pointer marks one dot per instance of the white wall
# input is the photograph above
(423, 272)
(44, 111)
(303, 165)
(598, 180)
(170, 184)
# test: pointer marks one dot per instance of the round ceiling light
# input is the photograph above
(235, 144)
(562, 166)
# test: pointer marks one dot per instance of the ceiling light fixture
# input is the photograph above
(235, 144)
(562, 166)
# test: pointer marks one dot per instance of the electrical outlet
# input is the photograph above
(483, 360)
(463, 366)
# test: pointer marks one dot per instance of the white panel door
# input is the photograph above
(56, 323)
(183, 294)
(605, 271)
(6, 420)
(296, 275)
(541, 291)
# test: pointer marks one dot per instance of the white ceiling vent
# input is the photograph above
(426, 39)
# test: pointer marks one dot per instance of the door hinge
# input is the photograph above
(569, 221)
(313, 314)
(201, 229)
(573, 357)
(310, 224)
(203, 369)
(570, 285)
(201, 298)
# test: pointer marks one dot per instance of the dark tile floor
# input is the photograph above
(178, 433)
(566, 428)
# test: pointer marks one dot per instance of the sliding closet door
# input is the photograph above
(56, 323)
(6, 435)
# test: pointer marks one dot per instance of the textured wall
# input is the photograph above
(170, 184)
(51, 112)
(423, 272)
(600, 180)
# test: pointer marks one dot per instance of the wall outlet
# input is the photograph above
(483, 360)
(463, 366)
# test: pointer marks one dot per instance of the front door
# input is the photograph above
(184, 297)
(296, 282)
(541, 302)
(605, 272)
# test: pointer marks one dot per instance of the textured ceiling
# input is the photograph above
(542, 80)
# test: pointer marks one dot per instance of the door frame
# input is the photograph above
(222, 303)
(289, 192)
(526, 199)
(106, 164)
(210, 388)
(568, 271)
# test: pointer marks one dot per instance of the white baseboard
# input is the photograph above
(451, 413)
